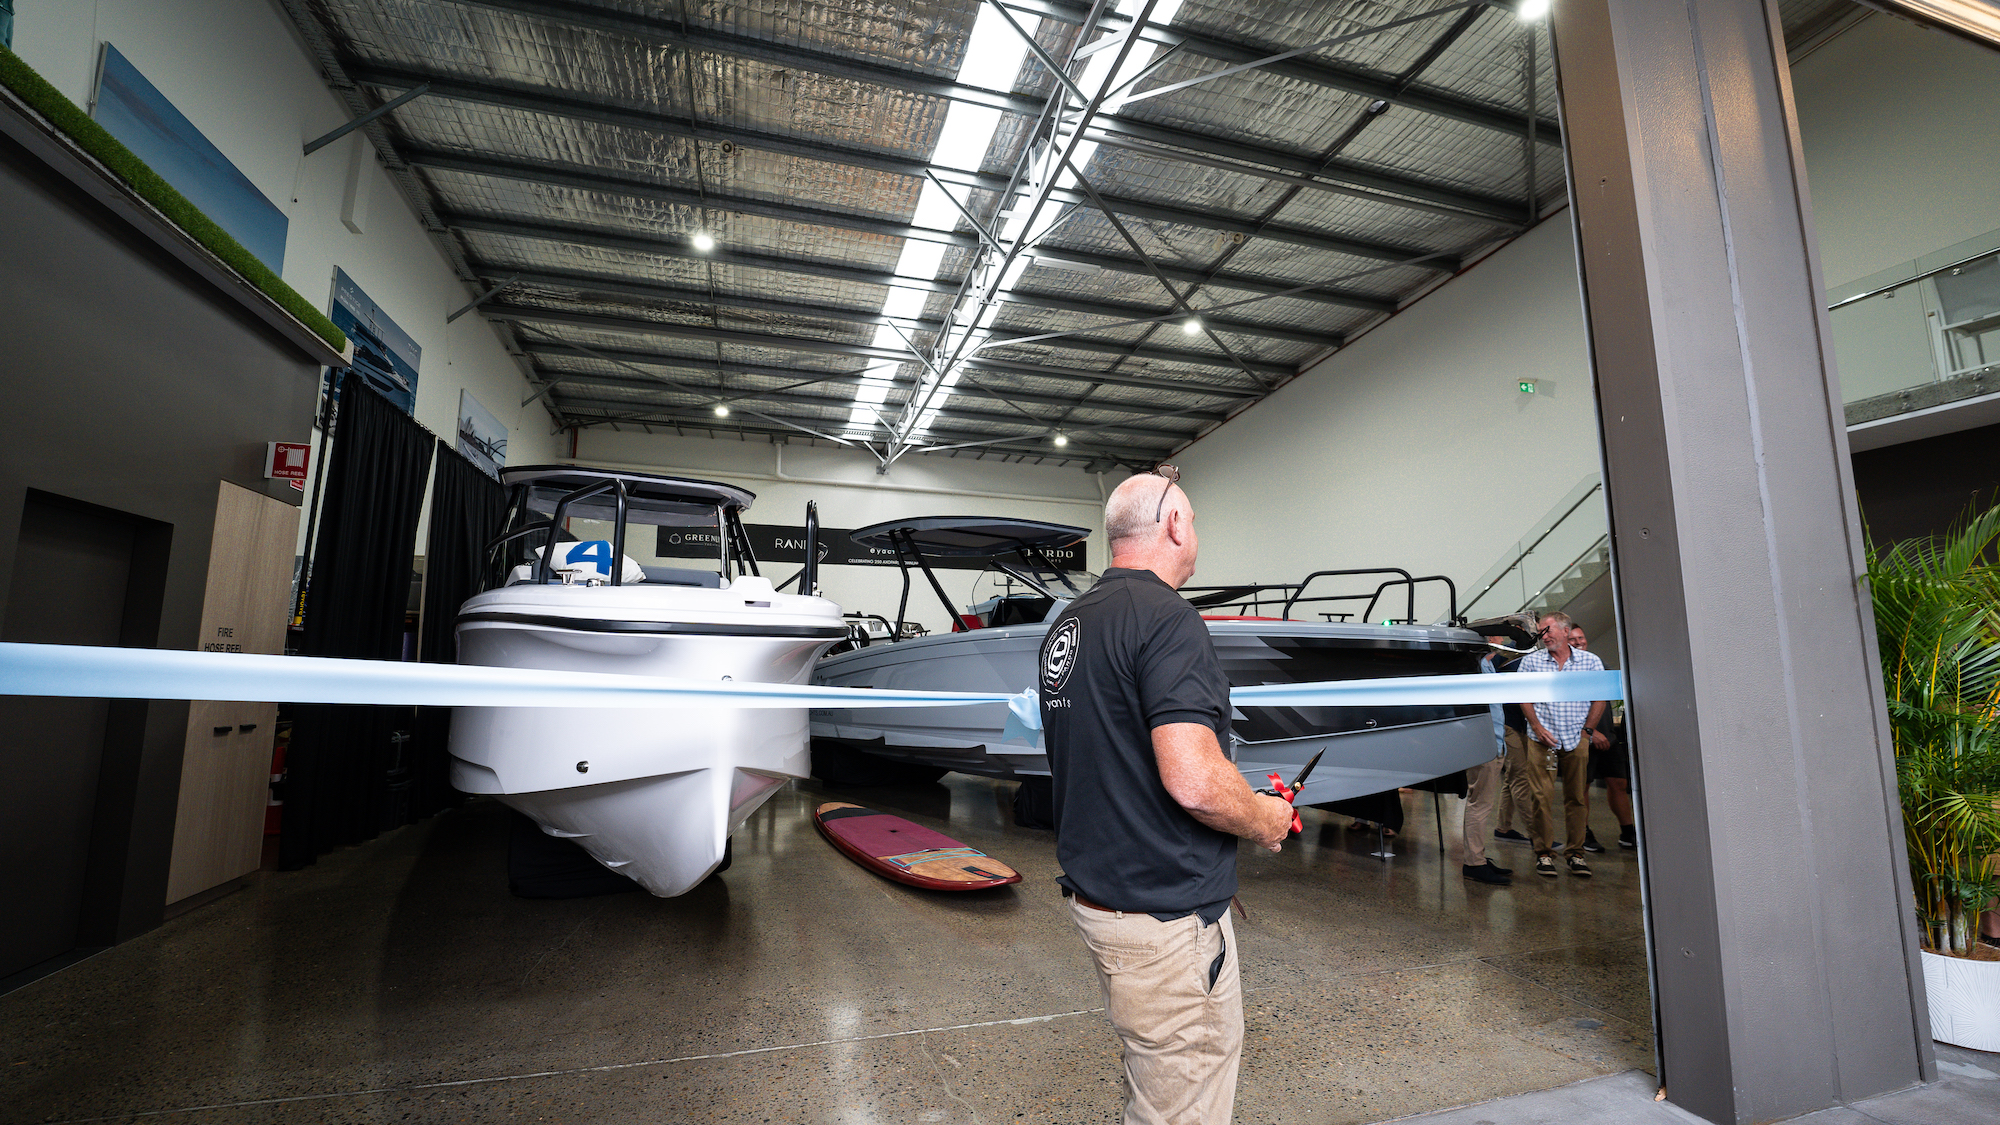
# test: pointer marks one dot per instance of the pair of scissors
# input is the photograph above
(1291, 792)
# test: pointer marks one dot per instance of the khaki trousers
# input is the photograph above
(1503, 815)
(1183, 1037)
(1573, 767)
(1482, 790)
(1528, 784)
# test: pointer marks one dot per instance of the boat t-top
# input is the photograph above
(995, 645)
(652, 793)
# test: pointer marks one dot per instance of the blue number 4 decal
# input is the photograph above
(595, 551)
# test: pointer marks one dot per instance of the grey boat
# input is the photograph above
(995, 645)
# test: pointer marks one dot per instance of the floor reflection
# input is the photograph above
(401, 979)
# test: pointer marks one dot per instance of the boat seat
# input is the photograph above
(683, 576)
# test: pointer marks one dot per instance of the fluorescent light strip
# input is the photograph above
(1095, 76)
(993, 54)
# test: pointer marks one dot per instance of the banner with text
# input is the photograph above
(781, 543)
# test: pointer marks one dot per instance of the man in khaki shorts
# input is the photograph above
(1135, 713)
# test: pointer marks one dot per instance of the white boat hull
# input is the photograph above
(1367, 750)
(650, 793)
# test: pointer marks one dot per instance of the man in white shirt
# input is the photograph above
(1567, 730)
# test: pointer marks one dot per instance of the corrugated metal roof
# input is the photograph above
(575, 149)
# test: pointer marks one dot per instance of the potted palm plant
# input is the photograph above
(1937, 619)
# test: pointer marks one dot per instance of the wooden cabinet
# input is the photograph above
(225, 775)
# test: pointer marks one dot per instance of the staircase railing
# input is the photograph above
(1539, 600)
(1527, 570)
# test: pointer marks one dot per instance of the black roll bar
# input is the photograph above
(957, 624)
(555, 528)
(810, 585)
(1042, 556)
(1451, 590)
(1294, 599)
(744, 552)
(618, 537)
(902, 604)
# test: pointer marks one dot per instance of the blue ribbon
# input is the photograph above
(148, 673)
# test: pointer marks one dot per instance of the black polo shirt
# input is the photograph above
(1127, 656)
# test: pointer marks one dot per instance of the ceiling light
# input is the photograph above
(1533, 9)
(1191, 326)
(1062, 439)
(703, 241)
(721, 411)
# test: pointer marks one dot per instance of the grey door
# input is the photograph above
(71, 573)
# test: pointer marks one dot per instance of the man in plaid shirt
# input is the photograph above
(1564, 729)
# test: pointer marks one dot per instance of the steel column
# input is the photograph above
(1779, 906)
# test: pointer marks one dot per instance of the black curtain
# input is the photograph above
(345, 778)
(466, 509)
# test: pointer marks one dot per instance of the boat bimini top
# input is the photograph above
(542, 498)
(980, 537)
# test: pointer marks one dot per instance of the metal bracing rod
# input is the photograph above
(1040, 198)
(1045, 118)
(1531, 173)
(1268, 60)
(978, 227)
(1137, 382)
(972, 387)
(670, 34)
(678, 248)
(483, 297)
(540, 393)
(1307, 182)
(952, 410)
(634, 416)
(321, 142)
(1179, 301)
(1001, 398)
(1055, 69)
(589, 179)
(822, 347)
(1431, 54)
(1123, 314)
(1017, 443)
(1368, 84)
(535, 101)
(681, 386)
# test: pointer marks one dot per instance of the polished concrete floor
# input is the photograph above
(400, 981)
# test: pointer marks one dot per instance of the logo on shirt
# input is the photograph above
(1059, 657)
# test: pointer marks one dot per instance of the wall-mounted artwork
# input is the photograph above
(142, 119)
(481, 437)
(384, 354)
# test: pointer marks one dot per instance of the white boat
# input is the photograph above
(995, 647)
(650, 793)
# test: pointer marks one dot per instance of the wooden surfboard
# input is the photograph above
(907, 852)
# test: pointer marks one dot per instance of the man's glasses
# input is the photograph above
(1173, 475)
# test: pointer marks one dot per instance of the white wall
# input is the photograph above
(1902, 144)
(1414, 446)
(239, 72)
(851, 495)
(1375, 457)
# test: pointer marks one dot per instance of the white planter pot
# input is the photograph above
(1964, 1001)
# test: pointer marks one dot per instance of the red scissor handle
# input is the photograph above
(1279, 787)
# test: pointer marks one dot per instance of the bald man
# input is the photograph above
(1148, 808)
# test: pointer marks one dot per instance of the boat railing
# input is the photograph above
(1286, 597)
